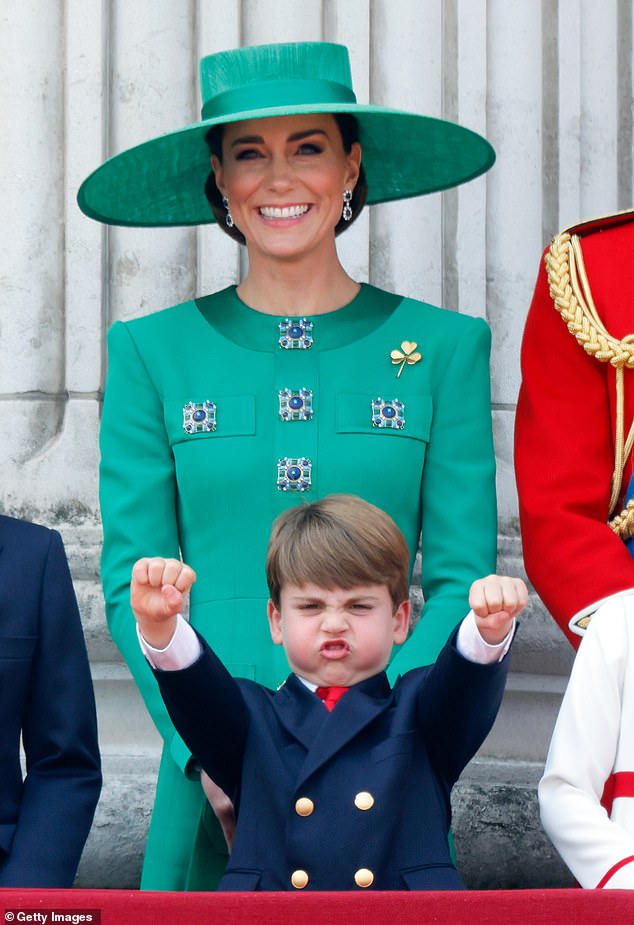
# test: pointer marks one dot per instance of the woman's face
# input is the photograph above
(284, 178)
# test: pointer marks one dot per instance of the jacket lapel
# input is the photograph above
(300, 711)
(323, 733)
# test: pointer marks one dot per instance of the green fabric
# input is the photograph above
(215, 494)
(162, 181)
(267, 94)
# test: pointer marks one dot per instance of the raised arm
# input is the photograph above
(202, 698)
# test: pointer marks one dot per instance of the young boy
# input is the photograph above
(351, 795)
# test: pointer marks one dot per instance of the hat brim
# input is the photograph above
(161, 182)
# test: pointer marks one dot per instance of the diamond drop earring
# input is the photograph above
(347, 199)
(228, 217)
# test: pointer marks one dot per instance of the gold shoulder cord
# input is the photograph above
(571, 294)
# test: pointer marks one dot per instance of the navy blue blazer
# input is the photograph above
(356, 798)
(46, 696)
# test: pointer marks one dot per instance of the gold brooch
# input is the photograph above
(405, 355)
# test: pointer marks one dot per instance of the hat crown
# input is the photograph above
(247, 69)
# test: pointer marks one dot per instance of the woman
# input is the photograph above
(299, 382)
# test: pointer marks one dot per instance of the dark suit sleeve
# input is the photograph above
(208, 710)
(457, 706)
(59, 731)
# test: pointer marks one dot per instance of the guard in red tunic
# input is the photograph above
(573, 457)
(575, 421)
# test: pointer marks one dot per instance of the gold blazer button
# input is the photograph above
(304, 806)
(364, 877)
(299, 879)
(364, 800)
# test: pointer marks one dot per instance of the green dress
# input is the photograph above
(217, 417)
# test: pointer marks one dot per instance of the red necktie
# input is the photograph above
(330, 695)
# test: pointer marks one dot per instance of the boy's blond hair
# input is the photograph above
(337, 542)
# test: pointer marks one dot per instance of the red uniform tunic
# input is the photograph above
(565, 436)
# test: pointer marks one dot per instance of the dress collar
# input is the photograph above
(230, 316)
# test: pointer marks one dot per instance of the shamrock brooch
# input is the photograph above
(405, 356)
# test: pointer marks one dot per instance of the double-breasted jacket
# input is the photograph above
(353, 799)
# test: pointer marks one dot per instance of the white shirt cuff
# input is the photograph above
(473, 647)
(182, 650)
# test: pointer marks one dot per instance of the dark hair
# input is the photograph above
(349, 129)
(337, 542)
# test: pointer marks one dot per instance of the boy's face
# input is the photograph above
(337, 637)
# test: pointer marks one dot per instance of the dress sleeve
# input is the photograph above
(459, 514)
(138, 505)
(564, 460)
(582, 752)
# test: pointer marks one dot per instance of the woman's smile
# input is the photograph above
(283, 212)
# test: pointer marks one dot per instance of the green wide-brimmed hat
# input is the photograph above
(162, 181)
